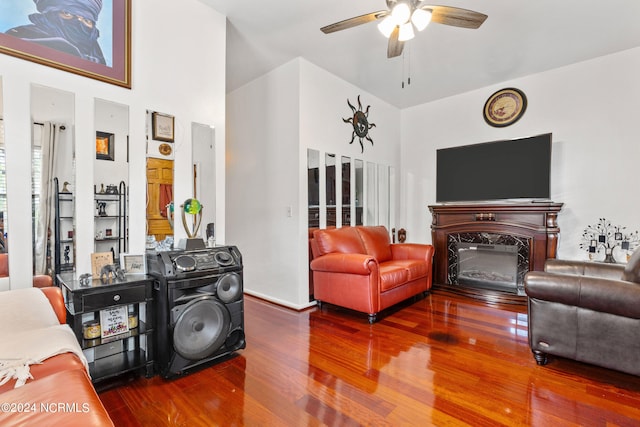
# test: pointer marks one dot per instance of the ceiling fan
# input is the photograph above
(403, 16)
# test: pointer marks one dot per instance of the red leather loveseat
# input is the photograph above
(59, 392)
(360, 269)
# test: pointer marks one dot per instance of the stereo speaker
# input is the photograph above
(202, 321)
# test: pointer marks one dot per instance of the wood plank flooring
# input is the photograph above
(445, 360)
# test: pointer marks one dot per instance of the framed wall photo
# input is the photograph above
(104, 146)
(133, 264)
(163, 127)
(101, 52)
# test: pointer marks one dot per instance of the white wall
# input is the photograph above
(172, 72)
(592, 109)
(272, 121)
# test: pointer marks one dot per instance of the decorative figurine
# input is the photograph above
(66, 254)
(102, 208)
(111, 189)
(65, 189)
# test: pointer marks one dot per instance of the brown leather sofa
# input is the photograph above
(60, 393)
(586, 311)
(360, 269)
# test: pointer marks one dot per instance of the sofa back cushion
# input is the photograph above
(345, 240)
(376, 242)
(632, 269)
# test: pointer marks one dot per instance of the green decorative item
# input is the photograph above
(169, 208)
(191, 207)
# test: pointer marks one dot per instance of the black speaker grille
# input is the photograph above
(229, 288)
(201, 328)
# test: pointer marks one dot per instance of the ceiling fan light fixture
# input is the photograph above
(421, 18)
(387, 25)
(401, 13)
(406, 32)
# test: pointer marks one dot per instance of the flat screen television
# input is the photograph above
(497, 170)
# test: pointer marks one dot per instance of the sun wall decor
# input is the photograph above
(360, 123)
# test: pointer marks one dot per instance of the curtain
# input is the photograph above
(45, 214)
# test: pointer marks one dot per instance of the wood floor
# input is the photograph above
(445, 360)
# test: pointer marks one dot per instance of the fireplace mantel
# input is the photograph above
(535, 221)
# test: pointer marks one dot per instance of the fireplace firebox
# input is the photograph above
(525, 233)
(488, 266)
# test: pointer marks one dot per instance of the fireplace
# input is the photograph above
(488, 261)
(488, 266)
(485, 250)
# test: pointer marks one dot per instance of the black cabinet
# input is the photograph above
(117, 354)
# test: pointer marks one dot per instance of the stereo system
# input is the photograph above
(199, 307)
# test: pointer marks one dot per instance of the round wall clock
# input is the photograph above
(505, 107)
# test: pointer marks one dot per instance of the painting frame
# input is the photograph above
(104, 146)
(163, 126)
(133, 263)
(99, 260)
(116, 71)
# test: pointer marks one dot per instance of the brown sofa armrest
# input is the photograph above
(412, 251)
(585, 268)
(54, 295)
(603, 295)
(345, 263)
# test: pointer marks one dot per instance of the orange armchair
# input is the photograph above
(39, 280)
(360, 269)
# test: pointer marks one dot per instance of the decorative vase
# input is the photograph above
(608, 258)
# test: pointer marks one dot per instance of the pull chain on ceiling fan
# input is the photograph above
(398, 22)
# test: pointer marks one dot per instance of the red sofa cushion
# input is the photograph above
(344, 240)
(376, 242)
(415, 268)
(61, 399)
(59, 363)
(392, 276)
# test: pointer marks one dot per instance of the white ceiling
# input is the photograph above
(518, 38)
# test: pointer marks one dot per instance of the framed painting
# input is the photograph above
(133, 263)
(91, 38)
(163, 125)
(104, 146)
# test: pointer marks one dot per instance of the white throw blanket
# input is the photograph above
(35, 334)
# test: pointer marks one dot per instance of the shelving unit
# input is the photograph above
(111, 222)
(118, 354)
(64, 231)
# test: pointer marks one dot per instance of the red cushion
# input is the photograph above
(376, 242)
(61, 399)
(415, 268)
(344, 240)
(392, 276)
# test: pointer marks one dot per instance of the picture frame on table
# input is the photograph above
(133, 263)
(106, 58)
(99, 260)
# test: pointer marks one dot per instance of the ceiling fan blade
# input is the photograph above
(353, 22)
(395, 46)
(455, 16)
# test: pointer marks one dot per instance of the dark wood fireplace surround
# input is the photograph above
(535, 221)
